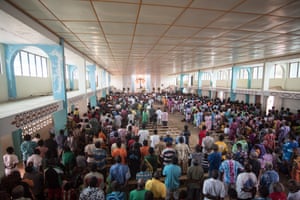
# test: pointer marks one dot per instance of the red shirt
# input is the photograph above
(278, 196)
(202, 135)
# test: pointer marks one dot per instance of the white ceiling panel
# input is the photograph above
(232, 20)
(70, 10)
(83, 27)
(55, 25)
(36, 9)
(290, 10)
(264, 23)
(117, 28)
(177, 31)
(197, 17)
(150, 29)
(215, 4)
(260, 7)
(126, 12)
(158, 14)
(210, 33)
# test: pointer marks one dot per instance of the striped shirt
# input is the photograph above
(167, 154)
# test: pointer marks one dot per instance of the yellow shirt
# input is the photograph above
(157, 187)
(222, 147)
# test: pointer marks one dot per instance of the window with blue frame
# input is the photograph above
(30, 64)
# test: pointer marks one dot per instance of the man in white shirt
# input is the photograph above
(213, 188)
(143, 134)
(158, 113)
(154, 139)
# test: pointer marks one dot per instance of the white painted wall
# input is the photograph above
(256, 84)
(167, 81)
(242, 83)
(33, 86)
(3, 82)
(292, 84)
(117, 81)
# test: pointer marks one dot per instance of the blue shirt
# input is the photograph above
(172, 173)
(116, 195)
(119, 173)
(100, 157)
(214, 160)
(230, 168)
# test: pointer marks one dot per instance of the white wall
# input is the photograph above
(117, 81)
(33, 86)
(256, 84)
(167, 81)
(3, 82)
(292, 84)
(242, 83)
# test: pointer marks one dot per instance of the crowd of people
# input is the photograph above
(107, 152)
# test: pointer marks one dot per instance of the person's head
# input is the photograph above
(203, 127)
(140, 184)
(118, 159)
(181, 140)
(29, 168)
(156, 174)
(151, 150)
(221, 137)
(248, 167)
(278, 187)
(98, 144)
(27, 137)
(175, 160)
(239, 146)
(292, 185)
(93, 182)
(155, 132)
(186, 127)
(61, 131)
(40, 143)
(169, 144)
(10, 150)
(198, 148)
(215, 147)
(229, 156)
(214, 174)
(145, 143)
(269, 166)
(36, 151)
(37, 135)
(119, 143)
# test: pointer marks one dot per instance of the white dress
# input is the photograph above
(10, 163)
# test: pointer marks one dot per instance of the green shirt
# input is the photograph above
(137, 194)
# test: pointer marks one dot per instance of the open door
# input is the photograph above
(270, 104)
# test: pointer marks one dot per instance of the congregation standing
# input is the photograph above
(103, 150)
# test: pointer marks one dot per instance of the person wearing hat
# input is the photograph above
(195, 174)
(157, 187)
